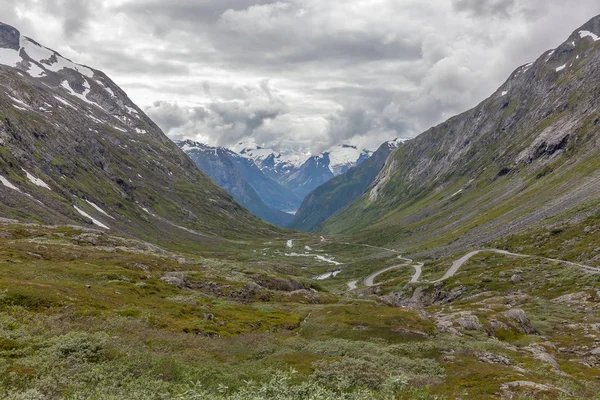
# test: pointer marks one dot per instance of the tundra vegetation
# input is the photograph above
(87, 315)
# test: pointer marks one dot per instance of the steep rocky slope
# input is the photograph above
(74, 149)
(528, 156)
(334, 195)
(241, 178)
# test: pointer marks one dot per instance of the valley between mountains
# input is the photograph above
(461, 264)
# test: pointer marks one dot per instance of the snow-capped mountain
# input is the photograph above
(344, 157)
(248, 185)
(302, 173)
(273, 164)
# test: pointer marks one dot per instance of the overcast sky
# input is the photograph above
(301, 74)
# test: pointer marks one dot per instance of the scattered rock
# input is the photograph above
(470, 323)
(573, 298)
(540, 353)
(143, 267)
(176, 279)
(497, 325)
(519, 316)
(254, 288)
(281, 284)
(209, 317)
(414, 332)
(465, 320)
(424, 296)
(492, 358)
(86, 238)
(531, 385)
(516, 278)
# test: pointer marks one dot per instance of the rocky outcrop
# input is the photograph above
(519, 316)
(464, 320)
(424, 295)
(541, 352)
(492, 358)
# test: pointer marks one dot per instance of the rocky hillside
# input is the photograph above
(241, 178)
(74, 149)
(526, 157)
(334, 195)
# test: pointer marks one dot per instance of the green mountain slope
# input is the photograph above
(528, 156)
(74, 149)
(331, 197)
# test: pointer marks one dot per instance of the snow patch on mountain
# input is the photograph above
(81, 96)
(94, 221)
(50, 59)
(98, 209)
(20, 102)
(9, 57)
(397, 142)
(36, 181)
(9, 185)
(585, 34)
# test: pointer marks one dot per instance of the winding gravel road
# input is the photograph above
(459, 263)
(370, 280)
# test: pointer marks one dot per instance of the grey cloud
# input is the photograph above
(76, 14)
(222, 123)
(268, 34)
(355, 122)
(499, 8)
(186, 11)
(171, 116)
(349, 122)
(122, 62)
(301, 74)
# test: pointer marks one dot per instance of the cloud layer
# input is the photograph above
(301, 75)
